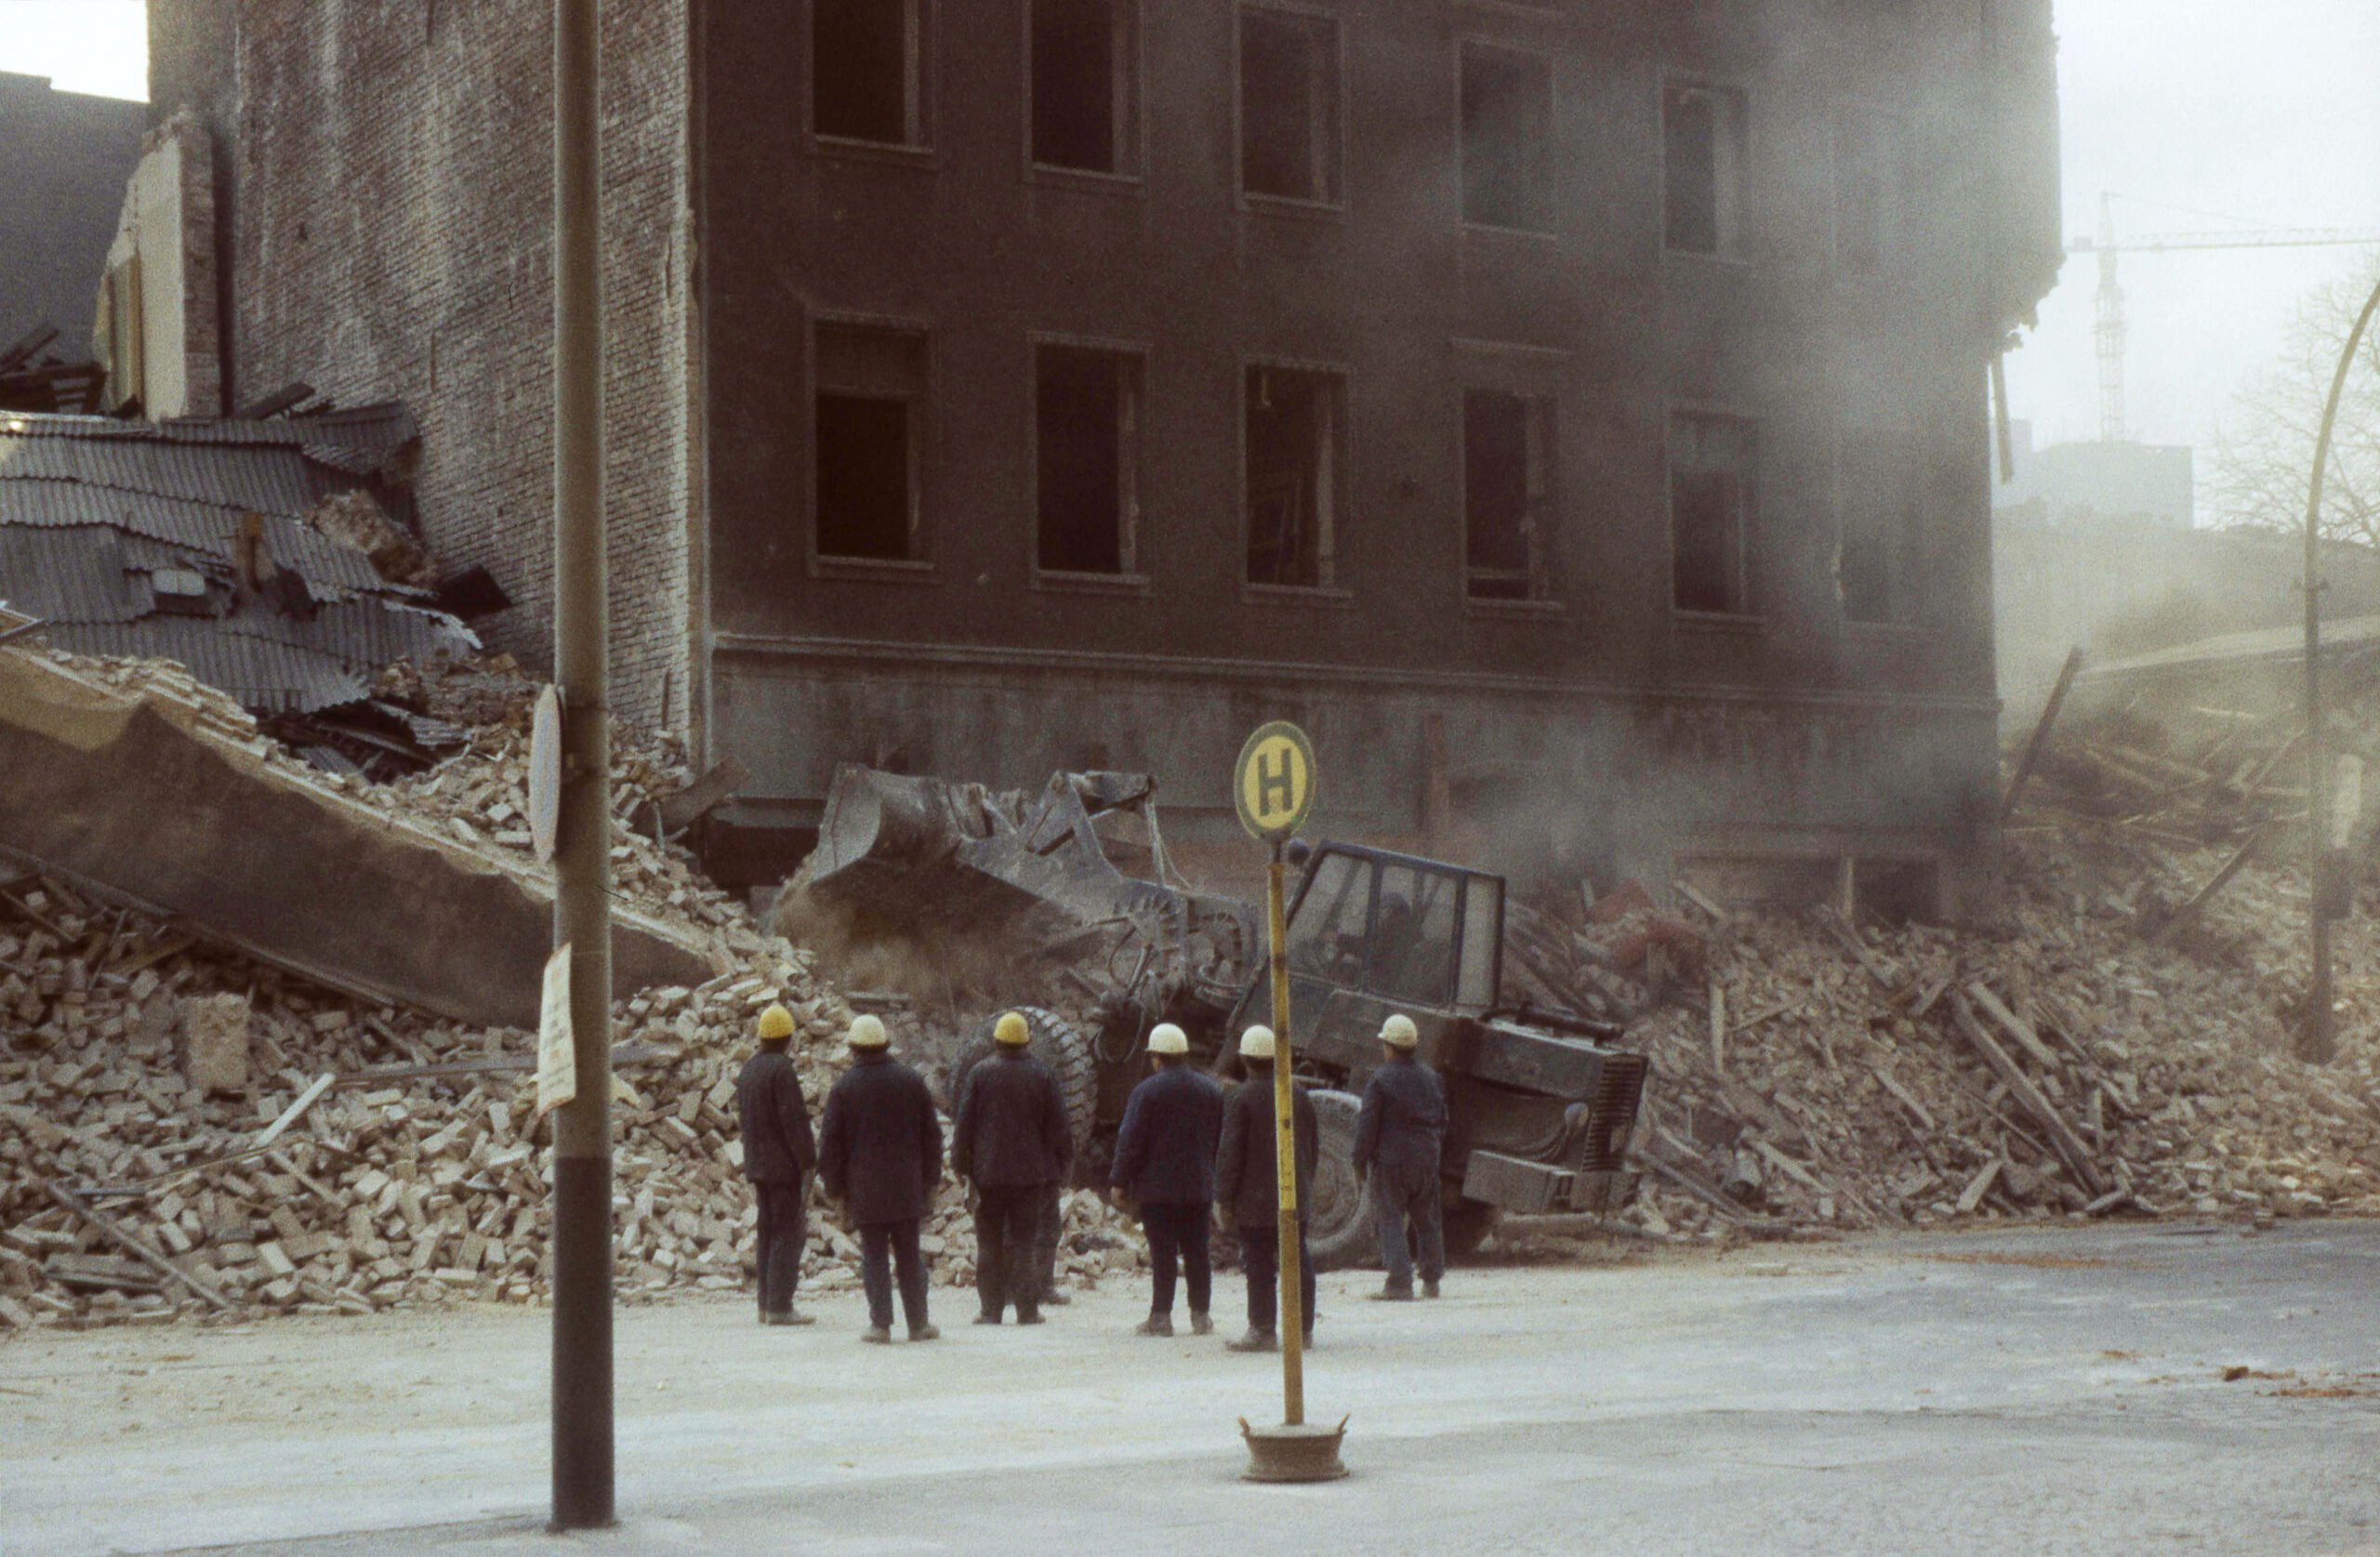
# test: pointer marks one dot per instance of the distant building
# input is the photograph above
(2068, 481)
(1566, 412)
(63, 159)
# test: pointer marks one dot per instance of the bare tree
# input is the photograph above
(2264, 450)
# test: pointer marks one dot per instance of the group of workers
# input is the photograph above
(1185, 1150)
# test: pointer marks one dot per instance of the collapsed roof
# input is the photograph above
(261, 554)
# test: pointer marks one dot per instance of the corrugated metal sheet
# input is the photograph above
(90, 507)
(268, 677)
(73, 575)
(198, 526)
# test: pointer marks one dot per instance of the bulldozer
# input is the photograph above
(1541, 1102)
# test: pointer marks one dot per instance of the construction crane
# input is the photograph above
(2108, 328)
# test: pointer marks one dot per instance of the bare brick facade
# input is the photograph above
(391, 238)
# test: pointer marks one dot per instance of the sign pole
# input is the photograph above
(1285, 1149)
(582, 1218)
(1272, 787)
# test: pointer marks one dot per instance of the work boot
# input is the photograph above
(1391, 1293)
(1429, 1289)
(1028, 1316)
(924, 1332)
(1254, 1340)
(787, 1317)
(1156, 1324)
(1305, 1342)
(877, 1335)
(991, 1316)
(1055, 1298)
(1201, 1325)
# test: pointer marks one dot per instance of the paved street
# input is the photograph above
(2042, 1392)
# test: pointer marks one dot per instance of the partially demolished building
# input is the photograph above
(1570, 414)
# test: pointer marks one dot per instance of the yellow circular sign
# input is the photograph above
(1274, 782)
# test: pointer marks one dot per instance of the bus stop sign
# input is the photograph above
(1273, 784)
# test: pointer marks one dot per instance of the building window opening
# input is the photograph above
(1714, 483)
(867, 67)
(1085, 110)
(1288, 106)
(1879, 509)
(1087, 414)
(1508, 495)
(1507, 116)
(1702, 134)
(1294, 436)
(870, 405)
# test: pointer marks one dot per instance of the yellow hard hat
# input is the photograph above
(1398, 1032)
(868, 1032)
(1256, 1043)
(1011, 1030)
(776, 1024)
(1166, 1038)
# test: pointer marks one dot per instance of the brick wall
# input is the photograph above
(391, 239)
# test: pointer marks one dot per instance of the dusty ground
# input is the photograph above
(2059, 1391)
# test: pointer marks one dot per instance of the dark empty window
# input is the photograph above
(1508, 495)
(1293, 443)
(1087, 440)
(1084, 102)
(1858, 193)
(870, 405)
(1289, 105)
(1507, 112)
(1703, 145)
(1878, 521)
(867, 61)
(1713, 495)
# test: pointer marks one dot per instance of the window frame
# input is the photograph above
(1551, 231)
(1740, 250)
(1131, 139)
(1753, 617)
(920, 151)
(923, 568)
(1335, 205)
(1136, 580)
(1530, 372)
(1330, 589)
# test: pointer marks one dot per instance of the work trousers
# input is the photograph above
(1046, 1232)
(1261, 1253)
(1403, 1199)
(882, 1246)
(1008, 1238)
(1178, 1235)
(784, 1226)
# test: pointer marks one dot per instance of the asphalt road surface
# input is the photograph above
(2039, 1392)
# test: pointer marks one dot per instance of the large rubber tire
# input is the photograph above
(1467, 1224)
(1340, 1231)
(1056, 1044)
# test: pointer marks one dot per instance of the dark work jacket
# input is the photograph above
(1247, 1166)
(1403, 1126)
(1165, 1154)
(774, 1119)
(1010, 1128)
(880, 1154)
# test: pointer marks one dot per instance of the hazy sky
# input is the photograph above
(2263, 109)
(2191, 109)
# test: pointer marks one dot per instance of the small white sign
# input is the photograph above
(545, 774)
(557, 1050)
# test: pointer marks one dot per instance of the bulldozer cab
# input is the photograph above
(1370, 932)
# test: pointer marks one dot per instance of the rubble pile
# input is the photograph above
(186, 1130)
(2090, 1049)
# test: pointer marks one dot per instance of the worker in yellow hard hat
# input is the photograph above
(1400, 1136)
(1010, 1140)
(772, 1119)
(1165, 1161)
(880, 1153)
